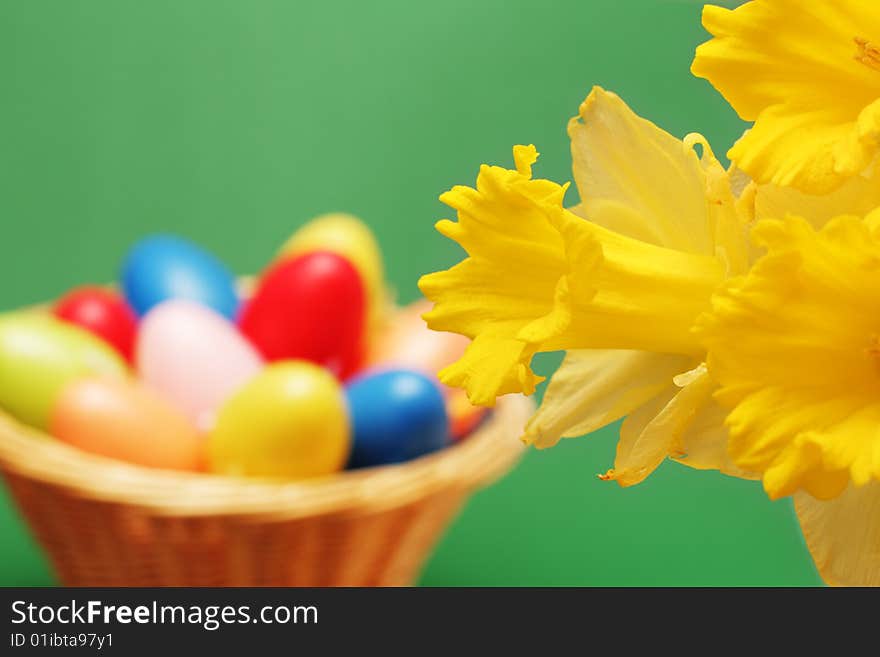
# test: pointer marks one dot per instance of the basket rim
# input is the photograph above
(468, 464)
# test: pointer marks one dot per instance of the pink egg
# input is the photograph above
(193, 357)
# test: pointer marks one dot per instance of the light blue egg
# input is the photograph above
(396, 415)
(166, 267)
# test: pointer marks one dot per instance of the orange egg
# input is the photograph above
(409, 343)
(126, 421)
(464, 417)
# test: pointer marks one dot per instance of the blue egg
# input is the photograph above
(396, 415)
(165, 267)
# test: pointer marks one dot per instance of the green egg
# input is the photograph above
(39, 355)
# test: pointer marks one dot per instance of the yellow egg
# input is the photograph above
(348, 236)
(288, 421)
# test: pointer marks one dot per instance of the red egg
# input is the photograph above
(312, 308)
(102, 312)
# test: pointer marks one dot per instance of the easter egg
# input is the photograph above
(123, 419)
(351, 238)
(166, 267)
(396, 415)
(103, 312)
(39, 355)
(407, 342)
(309, 308)
(464, 417)
(289, 421)
(194, 357)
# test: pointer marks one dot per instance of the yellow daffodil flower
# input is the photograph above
(795, 347)
(618, 281)
(808, 75)
(620, 290)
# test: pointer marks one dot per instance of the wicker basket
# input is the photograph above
(107, 523)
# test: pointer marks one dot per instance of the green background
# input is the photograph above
(232, 123)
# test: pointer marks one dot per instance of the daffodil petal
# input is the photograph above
(727, 224)
(656, 431)
(767, 52)
(624, 168)
(859, 195)
(704, 443)
(815, 150)
(843, 535)
(593, 388)
(636, 458)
